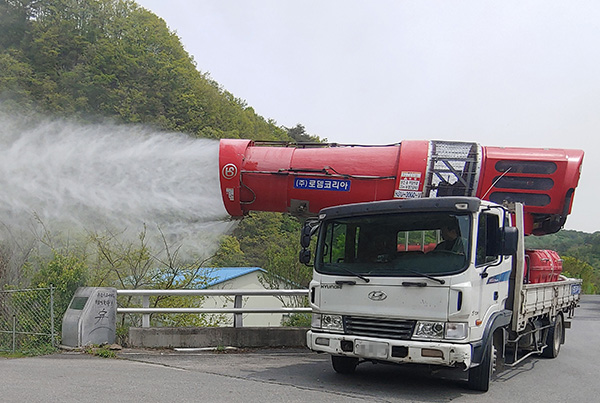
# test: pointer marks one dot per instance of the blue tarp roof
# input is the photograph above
(211, 276)
(221, 274)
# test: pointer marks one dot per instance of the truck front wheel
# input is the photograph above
(481, 375)
(344, 365)
(554, 338)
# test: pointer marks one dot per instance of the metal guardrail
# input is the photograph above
(237, 309)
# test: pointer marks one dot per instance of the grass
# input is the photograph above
(100, 351)
(32, 352)
(10, 354)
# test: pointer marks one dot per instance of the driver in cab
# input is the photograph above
(452, 241)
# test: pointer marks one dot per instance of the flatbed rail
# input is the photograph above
(542, 298)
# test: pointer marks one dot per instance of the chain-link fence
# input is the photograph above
(27, 321)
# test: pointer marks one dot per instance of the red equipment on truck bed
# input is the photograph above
(542, 266)
(304, 178)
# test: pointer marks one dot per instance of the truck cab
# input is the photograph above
(411, 281)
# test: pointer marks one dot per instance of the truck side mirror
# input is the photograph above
(309, 228)
(510, 241)
(305, 256)
(305, 235)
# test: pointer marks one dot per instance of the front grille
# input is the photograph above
(376, 327)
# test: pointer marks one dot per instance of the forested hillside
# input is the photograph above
(93, 59)
(581, 245)
(580, 252)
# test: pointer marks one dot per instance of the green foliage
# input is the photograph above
(123, 264)
(65, 271)
(582, 245)
(29, 311)
(185, 319)
(229, 254)
(112, 58)
(122, 335)
(33, 347)
(299, 134)
(261, 231)
(183, 276)
(6, 354)
(111, 260)
(297, 320)
(15, 78)
(30, 351)
(97, 59)
(100, 351)
(573, 267)
(580, 252)
(272, 241)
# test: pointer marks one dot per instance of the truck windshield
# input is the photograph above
(395, 244)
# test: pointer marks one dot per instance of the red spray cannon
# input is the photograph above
(304, 178)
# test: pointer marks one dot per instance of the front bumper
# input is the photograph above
(399, 351)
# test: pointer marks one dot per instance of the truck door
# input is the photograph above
(494, 269)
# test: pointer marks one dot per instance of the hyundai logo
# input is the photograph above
(377, 295)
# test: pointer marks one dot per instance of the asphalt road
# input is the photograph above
(299, 375)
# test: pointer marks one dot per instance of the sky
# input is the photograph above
(500, 73)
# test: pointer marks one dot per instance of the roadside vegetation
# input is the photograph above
(96, 60)
(580, 252)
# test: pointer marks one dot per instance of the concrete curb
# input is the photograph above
(195, 337)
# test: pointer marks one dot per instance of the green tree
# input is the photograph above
(111, 58)
(229, 254)
(299, 134)
(573, 267)
(580, 252)
(271, 241)
(122, 264)
(96, 59)
(66, 272)
(584, 246)
(263, 231)
(15, 77)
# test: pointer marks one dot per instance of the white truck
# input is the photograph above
(387, 288)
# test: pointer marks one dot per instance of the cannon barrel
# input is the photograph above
(303, 178)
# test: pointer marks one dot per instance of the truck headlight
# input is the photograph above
(440, 330)
(333, 323)
(429, 330)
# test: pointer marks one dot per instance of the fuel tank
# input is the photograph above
(303, 178)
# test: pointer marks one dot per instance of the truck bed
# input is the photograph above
(531, 300)
(548, 298)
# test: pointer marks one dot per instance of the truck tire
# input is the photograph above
(554, 338)
(481, 375)
(344, 365)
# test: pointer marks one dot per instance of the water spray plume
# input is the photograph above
(108, 177)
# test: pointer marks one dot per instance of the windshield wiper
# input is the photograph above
(439, 280)
(360, 276)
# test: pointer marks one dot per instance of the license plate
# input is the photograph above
(407, 194)
(371, 349)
